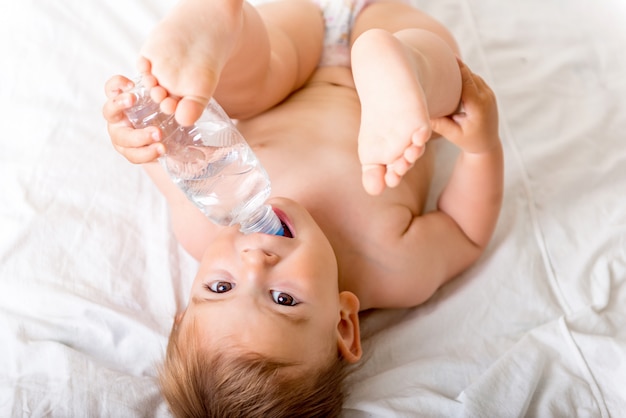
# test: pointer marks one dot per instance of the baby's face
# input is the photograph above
(272, 295)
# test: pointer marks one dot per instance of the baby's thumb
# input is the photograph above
(444, 126)
(189, 109)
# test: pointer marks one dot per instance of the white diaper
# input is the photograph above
(339, 17)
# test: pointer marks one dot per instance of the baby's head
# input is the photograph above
(225, 382)
(266, 329)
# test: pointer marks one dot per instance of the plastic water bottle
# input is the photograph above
(212, 164)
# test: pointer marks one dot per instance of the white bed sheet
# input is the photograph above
(91, 276)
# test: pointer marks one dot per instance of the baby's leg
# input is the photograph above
(294, 33)
(405, 71)
(249, 58)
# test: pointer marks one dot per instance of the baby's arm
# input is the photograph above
(439, 245)
(473, 194)
(142, 146)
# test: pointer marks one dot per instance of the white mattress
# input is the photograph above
(91, 276)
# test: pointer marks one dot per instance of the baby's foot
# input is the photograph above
(395, 123)
(186, 53)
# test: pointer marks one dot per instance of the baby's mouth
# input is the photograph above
(288, 231)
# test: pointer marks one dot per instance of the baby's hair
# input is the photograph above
(197, 382)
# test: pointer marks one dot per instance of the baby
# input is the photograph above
(338, 100)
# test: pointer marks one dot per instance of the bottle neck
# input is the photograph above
(263, 220)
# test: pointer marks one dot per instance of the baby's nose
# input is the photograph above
(259, 257)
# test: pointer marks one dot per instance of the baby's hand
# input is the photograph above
(475, 128)
(136, 145)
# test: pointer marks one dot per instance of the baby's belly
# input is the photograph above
(320, 115)
(308, 145)
(341, 76)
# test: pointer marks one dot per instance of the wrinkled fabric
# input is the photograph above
(91, 275)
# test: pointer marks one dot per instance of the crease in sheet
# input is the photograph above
(584, 367)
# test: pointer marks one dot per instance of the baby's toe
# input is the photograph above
(392, 179)
(168, 105)
(400, 166)
(413, 153)
(158, 94)
(421, 135)
(373, 179)
(189, 110)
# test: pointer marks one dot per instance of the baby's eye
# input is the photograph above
(283, 298)
(219, 287)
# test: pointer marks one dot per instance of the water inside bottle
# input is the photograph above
(227, 186)
(212, 164)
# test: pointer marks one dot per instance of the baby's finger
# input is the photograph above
(483, 88)
(117, 85)
(445, 126)
(466, 73)
(128, 137)
(469, 88)
(142, 155)
(113, 109)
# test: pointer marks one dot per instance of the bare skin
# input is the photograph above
(405, 75)
(249, 58)
(348, 145)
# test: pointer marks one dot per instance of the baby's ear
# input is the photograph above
(348, 331)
